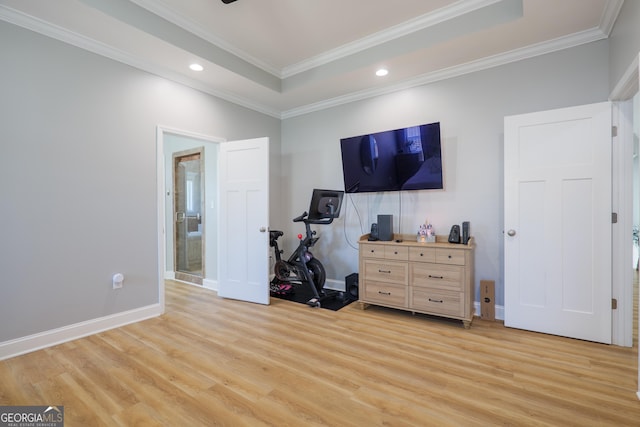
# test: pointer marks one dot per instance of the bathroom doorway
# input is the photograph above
(188, 199)
(178, 143)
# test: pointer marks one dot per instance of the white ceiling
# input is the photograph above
(288, 57)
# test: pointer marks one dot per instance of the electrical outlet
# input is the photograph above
(118, 281)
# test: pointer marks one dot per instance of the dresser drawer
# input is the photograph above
(372, 250)
(386, 294)
(438, 302)
(400, 253)
(450, 256)
(439, 276)
(422, 254)
(394, 252)
(386, 271)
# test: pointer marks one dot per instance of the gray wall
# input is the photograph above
(78, 178)
(470, 110)
(624, 41)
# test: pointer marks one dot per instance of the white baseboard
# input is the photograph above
(206, 283)
(53, 337)
(210, 284)
(335, 285)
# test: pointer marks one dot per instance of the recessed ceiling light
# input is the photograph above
(196, 67)
(382, 72)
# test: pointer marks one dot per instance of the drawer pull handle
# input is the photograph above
(384, 293)
(395, 252)
(449, 256)
(421, 254)
(436, 300)
(384, 271)
(435, 277)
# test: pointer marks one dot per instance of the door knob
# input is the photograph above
(511, 232)
(263, 229)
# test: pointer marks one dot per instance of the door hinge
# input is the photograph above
(614, 304)
(614, 217)
(614, 131)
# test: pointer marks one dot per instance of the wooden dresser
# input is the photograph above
(431, 278)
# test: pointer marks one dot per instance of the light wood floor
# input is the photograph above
(210, 361)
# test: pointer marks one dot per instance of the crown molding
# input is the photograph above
(531, 51)
(416, 24)
(48, 29)
(159, 8)
(627, 87)
(609, 15)
(607, 21)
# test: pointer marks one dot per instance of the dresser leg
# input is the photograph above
(466, 323)
(363, 305)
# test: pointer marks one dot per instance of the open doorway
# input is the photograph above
(197, 228)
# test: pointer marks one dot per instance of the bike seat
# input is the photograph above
(274, 234)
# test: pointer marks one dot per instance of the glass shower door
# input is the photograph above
(188, 225)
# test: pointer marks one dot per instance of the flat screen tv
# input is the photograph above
(394, 160)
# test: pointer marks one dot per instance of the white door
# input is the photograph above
(557, 242)
(244, 220)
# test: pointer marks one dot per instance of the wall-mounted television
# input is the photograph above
(394, 160)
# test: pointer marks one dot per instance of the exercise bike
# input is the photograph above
(302, 267)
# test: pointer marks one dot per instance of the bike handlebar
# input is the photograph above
(301, 217)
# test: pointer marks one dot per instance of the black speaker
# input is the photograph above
(351, 286)
(374, 232)
(385, 227)
(454, 234)
(465, 232)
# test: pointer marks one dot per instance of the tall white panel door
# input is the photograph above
(557, 242)
(244, 220)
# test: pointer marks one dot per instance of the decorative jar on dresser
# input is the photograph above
(430, 278)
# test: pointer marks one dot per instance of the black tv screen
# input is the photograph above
(394, 160)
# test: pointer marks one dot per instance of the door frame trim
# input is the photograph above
(621, 249)
(622, 280)
(161, 130)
